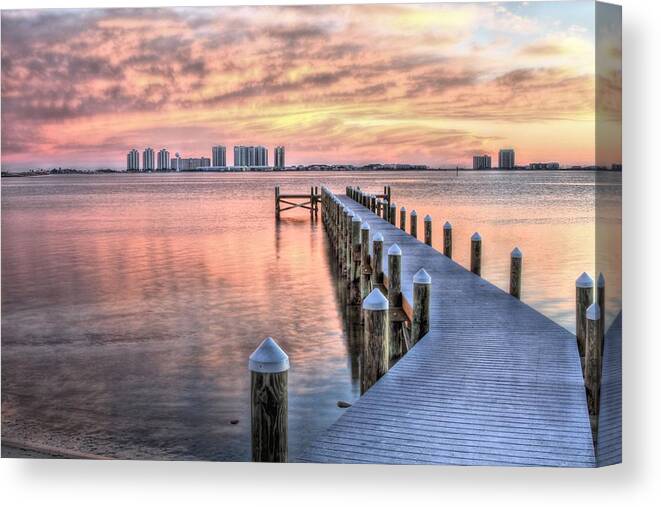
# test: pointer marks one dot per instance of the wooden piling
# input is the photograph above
(392, 213)
(375, 343)
(354, 291)
(584, 298)
(601, 301)
(377, 260)
(414, 224)
(447, 239)
(428, 230)
(421, 304)
(268, 402)
(277, 202)
(395, 276)
(593, 363)
(396, 347)
(476, 254)
(516, 267)
(365, 270)
(348, 244)
(402, 218)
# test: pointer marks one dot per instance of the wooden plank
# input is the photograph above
(494, 382)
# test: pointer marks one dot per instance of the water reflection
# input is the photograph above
(130, 304)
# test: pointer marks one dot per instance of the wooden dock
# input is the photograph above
(493, 382)
(609, 441)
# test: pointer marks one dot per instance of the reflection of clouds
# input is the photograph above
(403, 75)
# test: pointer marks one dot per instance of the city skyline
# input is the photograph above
(429, 84)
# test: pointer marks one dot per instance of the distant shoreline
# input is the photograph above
(59, 172)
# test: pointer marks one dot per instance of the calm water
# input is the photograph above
(130, 303)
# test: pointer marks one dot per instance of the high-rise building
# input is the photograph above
(506, 159)
(251, 156)
(133, 160)
(218, 156)
(279, 157)
(482, 162)
(148, 159)
(163, 162)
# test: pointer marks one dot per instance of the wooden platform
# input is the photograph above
(609, 441)
(494, 382)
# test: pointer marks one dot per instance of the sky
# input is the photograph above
(411, 83)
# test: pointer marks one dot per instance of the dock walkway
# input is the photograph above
(609, 442)
(494, 382)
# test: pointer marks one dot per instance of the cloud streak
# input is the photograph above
(347, 83)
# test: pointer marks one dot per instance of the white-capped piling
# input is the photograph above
(414, 223)
(396, 346)
(428, 237)
(447, 239)
(395, 276)
(392, 214)
(601, 301)
(375, 343)
(584, 298)
(476, 254)
(377, 259)
(268, 367)
(593, 362)
(421, 304)
(516, 268)
(365, 269)
(402, 218)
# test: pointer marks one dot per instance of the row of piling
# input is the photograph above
(388, 331)
(590, 314)
(388, 211)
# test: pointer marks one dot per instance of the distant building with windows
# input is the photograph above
(192, 163)
(133, 160)
(218, 156)
(251, 156)
(279, 157)
(506, 159)
(548, 166)
(148, 159)
(482, 162)
(163, 160)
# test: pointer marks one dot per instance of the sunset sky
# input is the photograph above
(430, 84)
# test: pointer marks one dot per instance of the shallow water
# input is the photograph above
(130, 303)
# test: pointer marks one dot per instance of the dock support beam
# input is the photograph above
(593, 364)
(375, 343)
(516, 262)
(428, 230)
(377, 260)
(277, 202)
(584, 299)
(421, 302)
(414, 224)
(476, 254)
(365, 270)
(395, 299)
(447, 240)
(354, 293)
(268, 402)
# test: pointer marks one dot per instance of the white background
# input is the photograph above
(49, 483)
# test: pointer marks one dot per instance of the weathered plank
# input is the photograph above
(494, 382)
